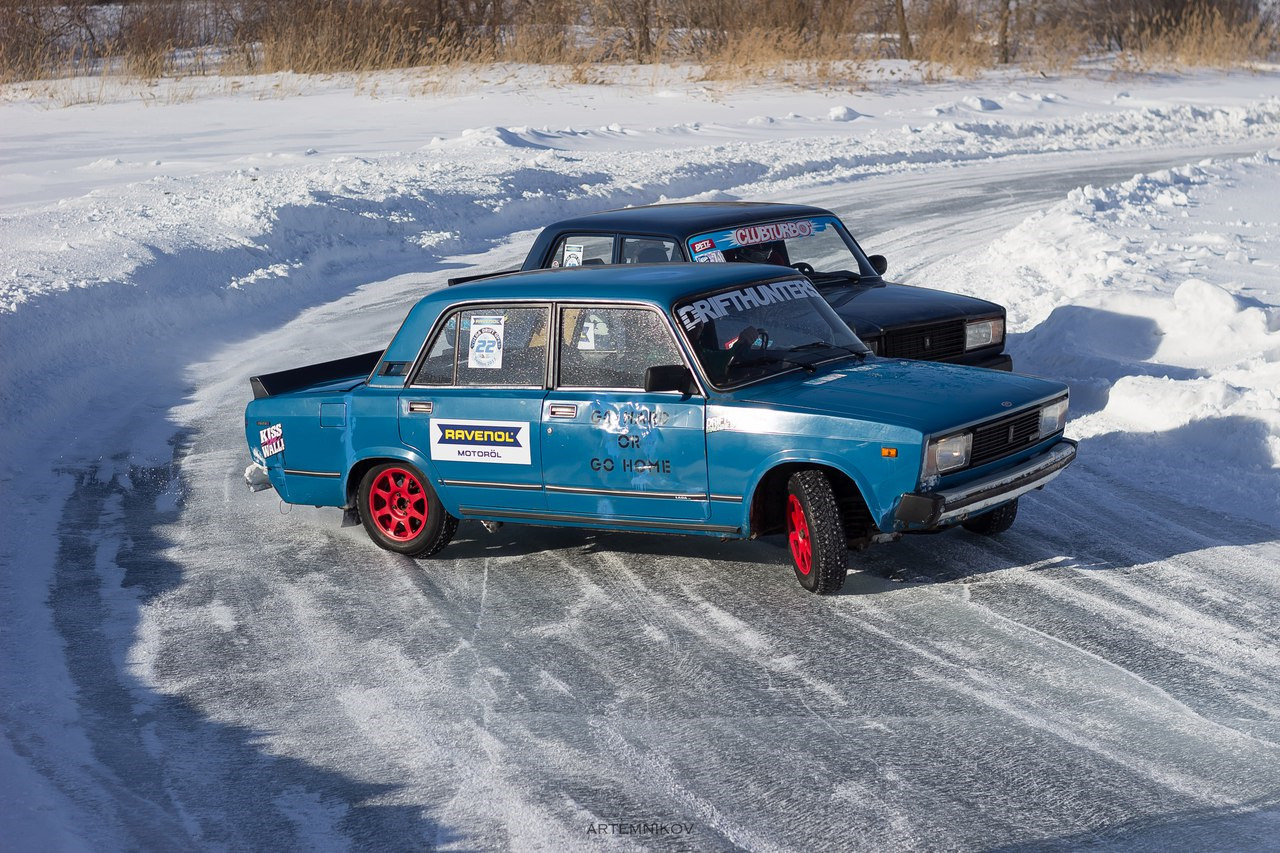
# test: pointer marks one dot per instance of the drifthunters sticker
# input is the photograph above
(502, 442)
(272, 440)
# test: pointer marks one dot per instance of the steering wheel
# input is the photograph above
(746, 339)
(803, 268)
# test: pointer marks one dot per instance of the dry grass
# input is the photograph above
(825, 43)
(1205, 38)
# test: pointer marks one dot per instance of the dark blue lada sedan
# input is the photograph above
(718, 399)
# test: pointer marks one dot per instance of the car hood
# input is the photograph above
(869, 310)
(929, 397)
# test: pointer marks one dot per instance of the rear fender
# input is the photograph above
(372, 456)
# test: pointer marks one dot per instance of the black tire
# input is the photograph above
(401, 511)
(992, 523)
(815, 533)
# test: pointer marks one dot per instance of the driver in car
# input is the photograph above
(773, 252)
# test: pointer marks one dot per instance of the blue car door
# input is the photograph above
(611, 450)
(474, 405)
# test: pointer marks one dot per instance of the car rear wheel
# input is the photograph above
(401, 512)
(997, 521)
(815, 533)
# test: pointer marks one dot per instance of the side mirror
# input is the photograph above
(879, 263)
(669, 377)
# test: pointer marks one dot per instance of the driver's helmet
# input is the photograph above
(773, 252)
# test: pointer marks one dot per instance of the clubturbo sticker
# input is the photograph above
(501, 442)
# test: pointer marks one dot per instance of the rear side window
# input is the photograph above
(649, 250)
(583, 250)
(489, 346)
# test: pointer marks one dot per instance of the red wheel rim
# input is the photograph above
(398, 504)
(798, 535)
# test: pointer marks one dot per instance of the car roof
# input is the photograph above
(685, 219)
(661, 284)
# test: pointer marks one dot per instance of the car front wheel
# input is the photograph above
(997, 521)
(815, 533)
(401, 512)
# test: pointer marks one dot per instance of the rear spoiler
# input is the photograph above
(463, 279)
(353, 366)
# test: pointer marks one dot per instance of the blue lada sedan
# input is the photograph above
(721, 399)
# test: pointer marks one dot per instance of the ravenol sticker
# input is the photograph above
(272, 440)
(572, 255)
(502, 442)
(484, 350)
(715, 256)
(714, 307)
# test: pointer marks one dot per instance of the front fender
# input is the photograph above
(875, 503)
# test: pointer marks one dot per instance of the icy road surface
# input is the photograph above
(244, 675)
(1107, 671)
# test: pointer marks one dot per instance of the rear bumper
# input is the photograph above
(937, 509)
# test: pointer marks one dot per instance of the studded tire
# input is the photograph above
(401, 511)
(995, 522)
(815, 533)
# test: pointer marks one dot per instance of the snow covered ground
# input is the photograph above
(184, 666)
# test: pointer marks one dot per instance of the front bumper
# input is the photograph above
(998, 361)
(937, 509)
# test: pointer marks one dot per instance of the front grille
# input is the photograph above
(930, 343)
(1004, 436)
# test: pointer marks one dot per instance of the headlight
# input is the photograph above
(981, 333)
(947, 454)
(1053, 417)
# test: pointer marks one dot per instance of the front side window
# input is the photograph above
(749, 333)
(583, 250)
(490, 346)
(818, 241)
(611, 347)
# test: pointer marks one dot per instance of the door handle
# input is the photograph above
(564, 410)
(420, 407)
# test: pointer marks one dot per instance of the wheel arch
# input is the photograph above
(766, 509)
(376, 456)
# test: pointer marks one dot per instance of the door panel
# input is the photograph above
(611, 449)
(484, 445)
(476, 401)
(624, 454)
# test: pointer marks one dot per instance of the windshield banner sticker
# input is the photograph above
(503, 442)
(485, 348)
(773, 231)
(751, 235)
(714, 307)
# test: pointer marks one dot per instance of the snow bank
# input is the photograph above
(1159, 301)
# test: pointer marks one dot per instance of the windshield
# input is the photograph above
(818, 241)
(750, 333)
